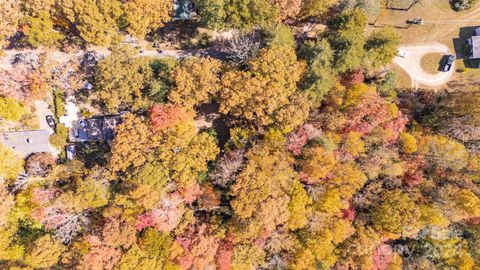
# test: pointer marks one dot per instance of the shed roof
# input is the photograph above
(27, 142)
(475, 47)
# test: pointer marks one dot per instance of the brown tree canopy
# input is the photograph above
(267, 85)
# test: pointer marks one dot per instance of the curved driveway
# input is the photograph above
(412, 64)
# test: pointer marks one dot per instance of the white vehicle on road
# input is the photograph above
(402, 53)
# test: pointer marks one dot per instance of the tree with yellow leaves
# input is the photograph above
(121, 79)
(11, 14)
(40, 32)
(97, 20)
(347, 178)
(46, 253)
(145, 16)
(355, 94)
(461, 203)
(409, 143)
(11, 164)
(443, 152)
(11, 109)
(354, 144)
(261, 189)
(196, 81)
(298, 207)
(357, 251)
(132, 144)
(266, 87)
(395, 212)
(316, 163)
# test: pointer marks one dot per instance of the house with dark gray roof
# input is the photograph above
(95, 129)
(474, 45)
(27, 142)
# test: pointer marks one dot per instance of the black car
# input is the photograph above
(449, 60)
(50, 121)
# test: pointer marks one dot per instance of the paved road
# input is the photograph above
(411, 64)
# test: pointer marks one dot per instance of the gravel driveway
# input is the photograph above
(411, 64)
(42, 110)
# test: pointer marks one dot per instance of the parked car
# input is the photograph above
(82, 123)
(70, 151)
(449, 60)
(402, 53)
(50, 121)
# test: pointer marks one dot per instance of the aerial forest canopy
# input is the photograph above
(258, 146)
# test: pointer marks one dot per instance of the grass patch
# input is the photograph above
(403, 79)
(431, 62)
(59, 100)
(441, 22)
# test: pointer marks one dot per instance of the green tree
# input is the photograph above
(153, 175)
(381, 47)
(9, 247)
(212, 13)
(316, 8)
(236, 13)
(249, 13)
(346, 36)
(319, 77)
(279, 35)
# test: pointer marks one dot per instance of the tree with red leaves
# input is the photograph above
(349, 213)
(224, 255)
(352, 77)
(200, 246)
(165, 116)
(382, 257)
(100, 255)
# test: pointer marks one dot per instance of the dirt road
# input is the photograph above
(9, 55)
(411, 64)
